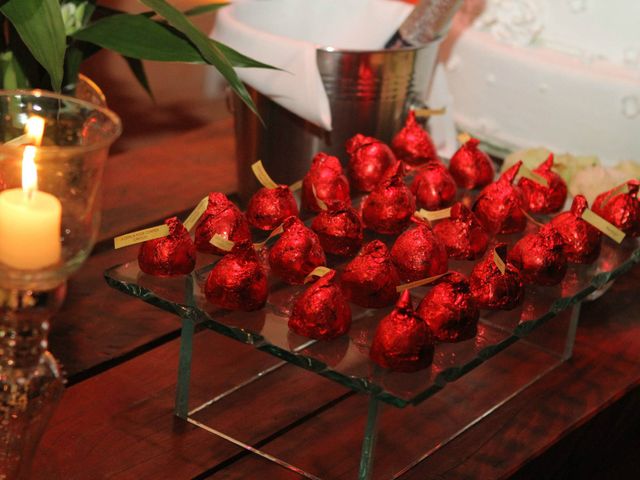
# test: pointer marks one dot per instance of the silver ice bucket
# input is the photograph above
(369, 92)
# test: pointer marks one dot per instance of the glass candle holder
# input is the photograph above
(52, 154)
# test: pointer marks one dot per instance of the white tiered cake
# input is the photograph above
(564, 74)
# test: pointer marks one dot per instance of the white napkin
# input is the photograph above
(286, 33)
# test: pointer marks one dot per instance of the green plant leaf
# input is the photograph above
(209, 51)
(202, 9)
(12, 75)
(39, 24)
(137, 36)
(240, 60)
(137, 68)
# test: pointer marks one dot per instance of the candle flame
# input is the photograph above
(35, 129)
(29, 172)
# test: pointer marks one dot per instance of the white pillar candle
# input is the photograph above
(29, 222)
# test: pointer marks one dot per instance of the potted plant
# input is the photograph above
(43, 42)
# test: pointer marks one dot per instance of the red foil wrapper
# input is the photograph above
(221, 217)
(296, 252)
(390, 207)
(369, 160)
(462, 235)
(499, 205)
(322, 311)
(269, 207)
(238, 281)
(449, 309)
(339, 229)
(540, 198)
(413, 145)
(471, 167)
(370, 279)
(403, 341)
(581, 240)
(434, 187)
(540, 257)
(168, 256)
(329, 181)
(622, 210)
(492, 289)
(417, 253)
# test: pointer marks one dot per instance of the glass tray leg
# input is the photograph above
(571, 333)
(184, 367)
(369, 440)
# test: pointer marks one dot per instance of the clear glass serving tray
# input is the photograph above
(346, 359)
(512, 350)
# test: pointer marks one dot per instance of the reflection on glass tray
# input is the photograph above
(346, 359)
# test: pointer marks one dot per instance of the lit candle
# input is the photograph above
(29, 218)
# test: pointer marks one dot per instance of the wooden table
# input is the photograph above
(116, 417)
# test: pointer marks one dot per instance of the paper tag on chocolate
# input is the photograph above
(419, 283)
(276, 231)
(624, 188)
(317, 272)
(321, 204)
(141, 236)
(295, 186)
(429, 112)
(433, 215)
(533, 176)
(610, 230)
(262, 175)
(195, 215)
(222, 243)
(497, 259)
(464, 137)
(530, 218)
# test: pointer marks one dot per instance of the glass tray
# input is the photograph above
(511, 351)
(346, 359)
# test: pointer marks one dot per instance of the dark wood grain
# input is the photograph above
(603, 371)
(120, 424)
(147, 184)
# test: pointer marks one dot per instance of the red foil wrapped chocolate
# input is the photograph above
(417, 253)
(296, 252)
(449, 309)
(462, 235)
(433, 187)
(268, 207)
(221, 217)
(339, 229)
(581, 241)
(492, 289)
(321, 311)
(540, 198)
(390, 206)
(413, 144)
(370, 279)
(471, 167)
(168, 256)
(238, 281)
(540, 257)
(327, 179)
(403, 341)
(499, 205)
(369, 160)
(622, 210)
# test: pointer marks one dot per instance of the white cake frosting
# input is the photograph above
(564, 74)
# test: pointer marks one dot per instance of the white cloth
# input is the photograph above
(286, 34)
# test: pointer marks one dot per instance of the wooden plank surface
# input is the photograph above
(147, 184)
(605, 369)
